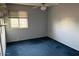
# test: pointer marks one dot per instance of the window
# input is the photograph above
(14, 22)
(23, 23)
(18, 19)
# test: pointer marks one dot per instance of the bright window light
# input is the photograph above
(14, 22)
(19, 19)
(23, 23)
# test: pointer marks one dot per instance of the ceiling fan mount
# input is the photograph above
(43, 6)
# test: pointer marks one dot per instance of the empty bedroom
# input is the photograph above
(39, 29)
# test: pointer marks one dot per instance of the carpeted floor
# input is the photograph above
(39, 47)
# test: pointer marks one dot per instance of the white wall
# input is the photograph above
(63, 24)
(37, 25)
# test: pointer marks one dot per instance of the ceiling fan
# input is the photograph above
(42, 6)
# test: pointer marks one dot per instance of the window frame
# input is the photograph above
(16, 15)
(19, 22)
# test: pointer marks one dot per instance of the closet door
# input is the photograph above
(3, 38)
(0, 43)
(3, 16)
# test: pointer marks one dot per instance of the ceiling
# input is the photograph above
(38, 4)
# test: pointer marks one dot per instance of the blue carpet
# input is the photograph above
(39, 47)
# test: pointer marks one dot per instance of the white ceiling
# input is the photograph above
(38, 4)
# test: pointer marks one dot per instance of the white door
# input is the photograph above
(3, 37)
(0, 43)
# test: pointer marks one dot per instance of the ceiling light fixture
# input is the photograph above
(43, 7)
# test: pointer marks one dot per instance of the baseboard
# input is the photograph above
(27, 39)
(64, 44)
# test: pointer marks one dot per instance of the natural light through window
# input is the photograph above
(14, 22)
(20, 21)
(23, 23)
